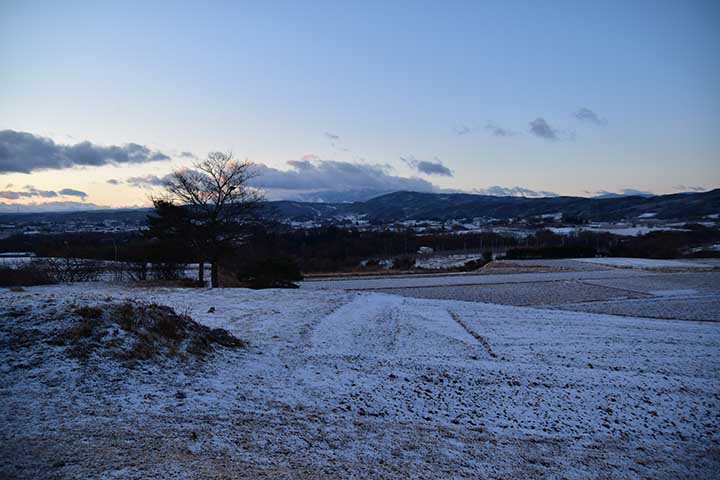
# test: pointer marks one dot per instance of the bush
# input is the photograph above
(271, 272)
(71, 269)
(25, 276)
(403, 263)
(151, 332)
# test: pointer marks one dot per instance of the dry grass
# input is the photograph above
(139, 332)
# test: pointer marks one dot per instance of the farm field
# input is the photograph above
(667, 289)
(362, 384)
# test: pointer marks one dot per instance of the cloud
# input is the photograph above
(625, 192)
(689, 188)
(462, 130)
(499, 131)
(329, 175)
(147, 181)
(498, 191)
(31, 192)
(11, 195)
(588, 116)
(187, 155)
(71, 192)
(428, 168)
(114, 181)
(22, 152)
(541, 128)
(332, 136)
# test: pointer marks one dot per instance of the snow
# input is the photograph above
(446, 261)
(615, 230)
(339, 384)
(646, 263)
(480, 278)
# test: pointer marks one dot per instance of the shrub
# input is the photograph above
(150, 332)
(403, 263)
(271, 272)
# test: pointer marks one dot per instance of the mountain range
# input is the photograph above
(399, 206)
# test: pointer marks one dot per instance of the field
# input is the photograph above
(403, 377)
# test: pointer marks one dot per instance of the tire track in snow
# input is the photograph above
(483, 341)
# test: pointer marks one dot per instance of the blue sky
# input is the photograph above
(427, 82)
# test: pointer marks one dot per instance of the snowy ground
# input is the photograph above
(339, 384)
(446, 261)
(646, 263)
(667, 289)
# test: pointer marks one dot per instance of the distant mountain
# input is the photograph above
(400, 206)
(446, 206)
(132, 215)
(435, 206)
(65, 206)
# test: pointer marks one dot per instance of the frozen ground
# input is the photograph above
(446, 261)
(647, 263)
(667, 289)
(339, 384)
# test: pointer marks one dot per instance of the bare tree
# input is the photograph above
(218, 204)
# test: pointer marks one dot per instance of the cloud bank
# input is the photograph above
(22, 152)
(335, 175)
(31, 192)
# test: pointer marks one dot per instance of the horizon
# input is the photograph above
(342, 101)
(78, 207)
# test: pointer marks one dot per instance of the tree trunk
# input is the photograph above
(214, 280)
(201, 273)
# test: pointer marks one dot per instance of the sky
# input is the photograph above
(341, 100)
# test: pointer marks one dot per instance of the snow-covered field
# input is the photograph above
(446, 261)
(338, 384)
(624, 231)
(647, 263)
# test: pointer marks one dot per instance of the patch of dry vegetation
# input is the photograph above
(139, 332)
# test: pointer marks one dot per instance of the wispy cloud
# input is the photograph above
(426, 167)
(499, 131)
(332, 136)
(689, 188)
(588, 116)
(461, 129)
(22, 152)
